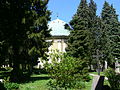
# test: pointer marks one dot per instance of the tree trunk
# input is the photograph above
(16, 73)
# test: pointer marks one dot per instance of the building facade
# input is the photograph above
(58, 39)
(59, 35)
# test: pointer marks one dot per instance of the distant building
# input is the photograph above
(59, 37)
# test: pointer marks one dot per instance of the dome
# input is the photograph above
(58, 28)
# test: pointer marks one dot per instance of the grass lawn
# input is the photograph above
(37, 85)
(96, 73)
(39, 82)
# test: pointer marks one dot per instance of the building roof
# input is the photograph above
(58, 28)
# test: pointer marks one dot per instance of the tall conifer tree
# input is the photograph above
(115, 31)
(79, 43)
(23, 25)
(110, 20)
(93, 8)
(92, 27)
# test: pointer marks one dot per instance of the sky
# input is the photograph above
(65, 9)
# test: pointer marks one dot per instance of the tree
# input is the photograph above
(100, 39)
(92, 27)
(3, 27)
(24, 30)
(78, 42)
(93, 8)
(115, 31)
(110, 20)
(38, 33)
(82, 37)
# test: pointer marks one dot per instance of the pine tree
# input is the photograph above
(107, 49)
(92, 27)
(3, 26)
(117, 51)
(23, 25)
(110, 20)
(39, 32)
(78, 42)
(115, 31)
(93, 8)
(100, 39)
(97, 29)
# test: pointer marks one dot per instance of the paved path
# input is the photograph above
(96, 75)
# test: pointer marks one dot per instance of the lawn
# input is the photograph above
(96, 73)
(39, 82)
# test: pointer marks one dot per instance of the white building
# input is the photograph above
(59, 37)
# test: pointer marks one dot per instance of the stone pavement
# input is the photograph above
(96, 75)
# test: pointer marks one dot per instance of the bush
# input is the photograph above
(11, 86)
(113, 79)
(67, 72)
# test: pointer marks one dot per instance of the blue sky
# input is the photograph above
(65, 9)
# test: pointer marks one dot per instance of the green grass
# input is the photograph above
(88, 85)
(37, 85)
(96, 73)
(39, 82)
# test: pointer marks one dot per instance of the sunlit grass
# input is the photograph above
(39, 82)
(37, 85)
(96, 73)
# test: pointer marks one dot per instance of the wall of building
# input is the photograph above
(58, 44)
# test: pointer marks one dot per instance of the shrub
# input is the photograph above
(113, 79)
(67, 72)
(11, 86)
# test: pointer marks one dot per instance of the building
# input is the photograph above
(59, 35)
(58, 39)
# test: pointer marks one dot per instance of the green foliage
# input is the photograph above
(113, 79)
(112, 31)
(11, 86)
(93, 8)
(81, 39)
(69, 72)
(23, 31)
(6, 79)
(79, 43)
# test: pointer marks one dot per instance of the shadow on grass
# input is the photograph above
(25, 77)
(39, 78)
(35, 78)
